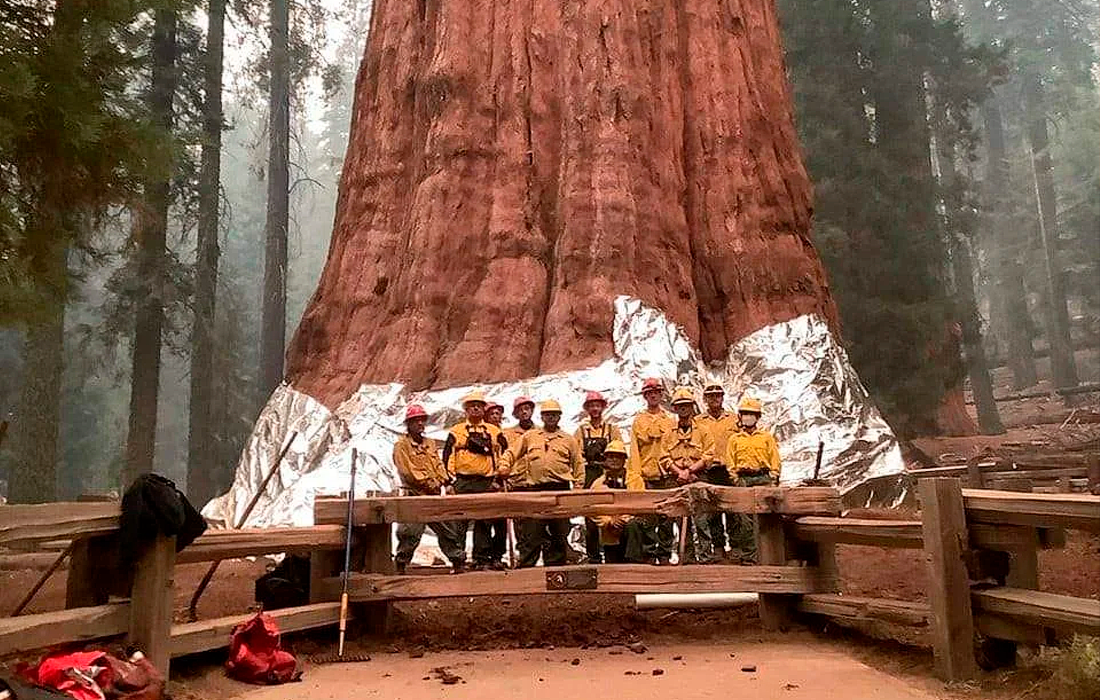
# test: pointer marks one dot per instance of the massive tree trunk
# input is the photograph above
(959, 232)
(513, 167)
(36, 431)
(1062, 363)
(201, 444)
(1006, 247)
(273, 329)
(150, 231)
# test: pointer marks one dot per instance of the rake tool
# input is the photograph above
(340, 657)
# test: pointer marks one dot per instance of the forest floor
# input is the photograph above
(527, 644)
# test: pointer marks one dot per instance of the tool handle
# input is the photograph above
(820, 452)
(343, 618)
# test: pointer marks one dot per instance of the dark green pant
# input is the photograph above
(547, 538)
(489, 535)
(661, 539)
(631, 547)
(408, 539)
(709, 534)
(743, 534)
(592, 546)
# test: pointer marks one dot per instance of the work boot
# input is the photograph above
(400, 566)
(497, 566)
(459, 567)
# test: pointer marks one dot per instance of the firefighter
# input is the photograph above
(752, 458)
(494, 413)
(593, 436)
(422, 474)
(623, 537)
(721, 424)
(470, 455)
(645, 436)
(553, 464)
(522, 410)
(686, 451)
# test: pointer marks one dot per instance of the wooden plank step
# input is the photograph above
(861, 609)
(250, 542)
(671, 502)
(1063, 612)
(205, 635)
(30, 632)
(1069, 510)
(611, 578)
(876, 533)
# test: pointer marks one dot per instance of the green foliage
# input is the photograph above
(1077, 669)
(859, 71)
(72, 140)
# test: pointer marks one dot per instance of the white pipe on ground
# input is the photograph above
(693, 600)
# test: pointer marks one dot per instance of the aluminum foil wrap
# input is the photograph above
(810, 394)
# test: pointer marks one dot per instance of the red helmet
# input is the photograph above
(522, 401)
(493, 404)
(594, 396)
(415, 410)
(652, 383)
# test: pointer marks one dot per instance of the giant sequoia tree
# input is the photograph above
(513, 166)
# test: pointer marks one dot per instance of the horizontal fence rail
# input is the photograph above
(563, 504)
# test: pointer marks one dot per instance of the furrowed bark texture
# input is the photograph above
(515, 165)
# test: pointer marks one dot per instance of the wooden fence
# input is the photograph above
(1063, 474)
(143, 614)
(966, 535)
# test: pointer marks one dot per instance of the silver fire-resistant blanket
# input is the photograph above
(809, 390)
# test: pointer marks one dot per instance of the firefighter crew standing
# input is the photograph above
(522, 410)
(622, 537)
(553, 464)
(645, 436)
(686, 451)
(594, 435)
(422, 474)
(494, 413)
(470, 455)
(752, 458)
(721, 424)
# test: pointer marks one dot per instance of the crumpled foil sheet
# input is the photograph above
(809, 389)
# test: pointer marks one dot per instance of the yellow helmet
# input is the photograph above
(750, 405)
(474, 397)
(615, 447)
(683, 395)
(550, 406)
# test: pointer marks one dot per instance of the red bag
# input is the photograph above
(255, 655)
(95, 675)
(80, 675)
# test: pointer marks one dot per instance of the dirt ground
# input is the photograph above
(802, 668)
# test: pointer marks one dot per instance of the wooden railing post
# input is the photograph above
(93, 572)
(1093, 474)
(771, 549)
(376, 558)
(943, 524)
(151, 602)
(974, 477)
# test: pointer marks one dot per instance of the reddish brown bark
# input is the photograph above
(514, 166)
